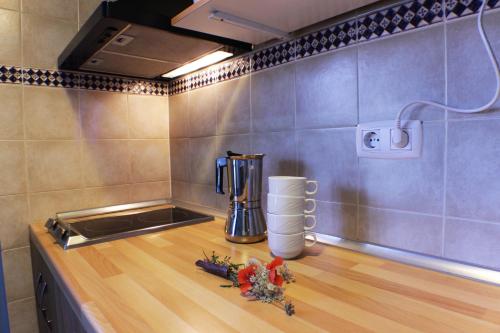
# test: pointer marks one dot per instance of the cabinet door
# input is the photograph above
(67, 319)
(40, 284)
(55, 314)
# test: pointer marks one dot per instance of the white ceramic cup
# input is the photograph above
(289, 246)
(290, 224)
(288, 205)
(292, 186)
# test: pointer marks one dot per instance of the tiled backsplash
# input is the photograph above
(87, 81)
(300, 104)
(74, 140)
(403, 17)
(67, 140)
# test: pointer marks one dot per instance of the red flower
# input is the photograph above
(274, 277)
(244, 277)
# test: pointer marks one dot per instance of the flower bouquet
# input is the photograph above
(257, 281)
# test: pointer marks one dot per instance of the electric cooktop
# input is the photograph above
(78, 228)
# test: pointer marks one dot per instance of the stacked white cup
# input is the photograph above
(289, 220)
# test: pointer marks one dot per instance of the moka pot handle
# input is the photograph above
(220, 164)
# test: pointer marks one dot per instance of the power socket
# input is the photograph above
(374, 140)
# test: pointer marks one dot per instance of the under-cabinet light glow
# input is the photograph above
(209, 59)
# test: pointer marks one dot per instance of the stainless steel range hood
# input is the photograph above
(135, 38)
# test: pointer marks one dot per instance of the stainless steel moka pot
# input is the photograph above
(245, 221)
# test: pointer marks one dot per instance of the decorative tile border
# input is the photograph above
(402, 17)
(179, 86)
(273, 56)
(10, 74)
(460, 8)
(408, 16)
(103, 83)
(75, 80)
(405, 16)
(40, 77)
(332, 38)
(141, 87)
(220, 72)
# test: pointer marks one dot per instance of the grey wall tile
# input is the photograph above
(150, 191)
(150, 160)
(336, 219)
(14, 221)
(326, 90)
(43, 52)
(179, 117)
(106, 163)
(233, 106)
(181, 191)
(281, 154)
(11, 113)
(471, 80)
(235, 143)
(408, 231)
(473, 242)
(42, 173)
(46, 204)
(148, 117)
(203, 195)
(179, 159)
(203, 111)
(17, 270)
(329, 156)
(273, 99)
(56, 9)
(22, 316)
(10, 35)
(413, 185)
(473, 183)
(107, 196)
(10, 4)
(202, 160)
(51, 113)
(12, 167)
(399, 70)
(104, 115)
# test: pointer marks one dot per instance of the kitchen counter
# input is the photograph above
(149, 283)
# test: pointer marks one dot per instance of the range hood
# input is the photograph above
(136, 39)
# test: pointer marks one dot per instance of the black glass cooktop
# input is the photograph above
(144, 221)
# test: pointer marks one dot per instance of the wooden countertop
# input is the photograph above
(150, 284)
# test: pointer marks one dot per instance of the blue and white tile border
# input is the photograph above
(402, 17)
(75, 80)
(387, 21)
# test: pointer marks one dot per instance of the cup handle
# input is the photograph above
(315, 187)
(309, 227)
(313, 209)
(313, 241)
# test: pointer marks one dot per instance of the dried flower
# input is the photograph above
(274, 277)
(286, 274)
(245, 276)
(256, 281)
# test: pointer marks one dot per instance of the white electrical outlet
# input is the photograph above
(374, 140)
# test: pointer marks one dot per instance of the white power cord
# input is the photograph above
(397, 138)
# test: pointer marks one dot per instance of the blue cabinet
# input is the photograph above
(4, 318)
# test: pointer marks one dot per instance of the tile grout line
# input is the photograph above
(295, 136)
(445, 151)
(129, 147)
(81, 139)
(358, 174)
(25, 134)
